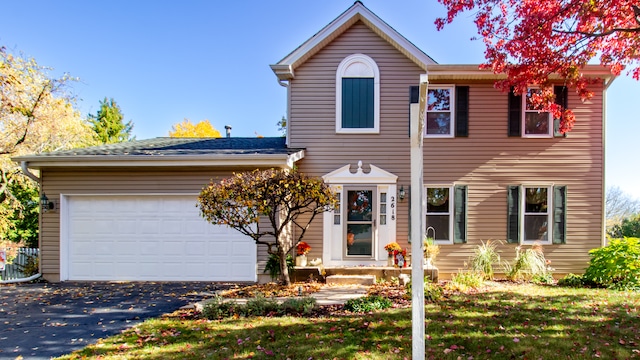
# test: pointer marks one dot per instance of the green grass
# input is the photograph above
(523, 321)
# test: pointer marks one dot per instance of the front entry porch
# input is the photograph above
(356, 232)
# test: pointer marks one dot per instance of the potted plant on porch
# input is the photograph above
(431, 250)
(391, 248)
(302, 249)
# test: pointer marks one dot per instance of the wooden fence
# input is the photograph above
(21, 264)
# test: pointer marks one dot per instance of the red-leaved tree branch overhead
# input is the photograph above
(528, 40)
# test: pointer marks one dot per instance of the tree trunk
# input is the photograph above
(284, 268)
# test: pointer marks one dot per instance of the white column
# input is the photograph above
(417, 226)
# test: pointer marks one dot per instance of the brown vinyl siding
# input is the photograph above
(487, 160)
(313, 120)
(116, 181)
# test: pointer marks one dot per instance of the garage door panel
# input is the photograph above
(172, 227)
(219, 248)
(126, 227)
(152, 238)
(196, 248)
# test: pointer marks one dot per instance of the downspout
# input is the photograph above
(25, 169)
(605, 87)
(285, 83)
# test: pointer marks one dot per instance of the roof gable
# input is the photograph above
(285, 68)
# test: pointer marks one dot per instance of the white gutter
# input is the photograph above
(270, 160)
(286, 83)
(603, 235)
(25, 169)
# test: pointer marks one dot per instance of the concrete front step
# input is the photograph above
(351, 280)
(319, 274)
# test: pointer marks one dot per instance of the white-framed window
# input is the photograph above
(536, 210)
(440, 120)
(337, 210)
(358, 95)
(383, 208)
(439, 212)
(534, 122)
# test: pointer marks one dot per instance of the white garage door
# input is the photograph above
(153, 238)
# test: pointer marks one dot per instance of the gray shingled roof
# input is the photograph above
(165, 146)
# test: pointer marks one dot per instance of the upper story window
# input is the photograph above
(534, 122)
(358, 95)
(440, 120)
(525, 120)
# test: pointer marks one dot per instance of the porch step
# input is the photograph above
(351, 280)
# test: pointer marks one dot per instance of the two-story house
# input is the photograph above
(493, 170)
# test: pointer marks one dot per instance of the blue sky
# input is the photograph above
(163, 61)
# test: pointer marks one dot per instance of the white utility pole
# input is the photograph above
(417, 225)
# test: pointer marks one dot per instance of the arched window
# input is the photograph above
(358, 95)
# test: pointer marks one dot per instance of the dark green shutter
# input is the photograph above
(513, 214)
(515, 114)
(414, 94)
(562, 99)
(357, 103)
(559, 214)
(462, 111)
(414, 98)
(460, 214)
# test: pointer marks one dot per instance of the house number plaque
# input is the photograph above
(393, 208)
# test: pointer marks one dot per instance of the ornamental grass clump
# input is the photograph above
(528, 264)
(431, 249)
(465, 280)
(484, 257)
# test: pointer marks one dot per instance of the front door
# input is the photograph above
(361, 222)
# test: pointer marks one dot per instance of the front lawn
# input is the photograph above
(520, 321)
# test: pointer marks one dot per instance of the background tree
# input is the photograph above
(623, 214)
(36, 115)
(282, 126)
(201, 129)
(628, 227)
(620, 205)
(108, 123)
(23, 219)
(286, 198)
(531, 40)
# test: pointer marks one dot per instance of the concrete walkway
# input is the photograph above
(327, 295)
(338, 295)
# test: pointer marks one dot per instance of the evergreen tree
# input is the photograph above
(109, 125)
(282, 126)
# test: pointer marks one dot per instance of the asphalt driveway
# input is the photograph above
(40, 321)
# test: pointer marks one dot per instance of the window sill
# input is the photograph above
(357, 131)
